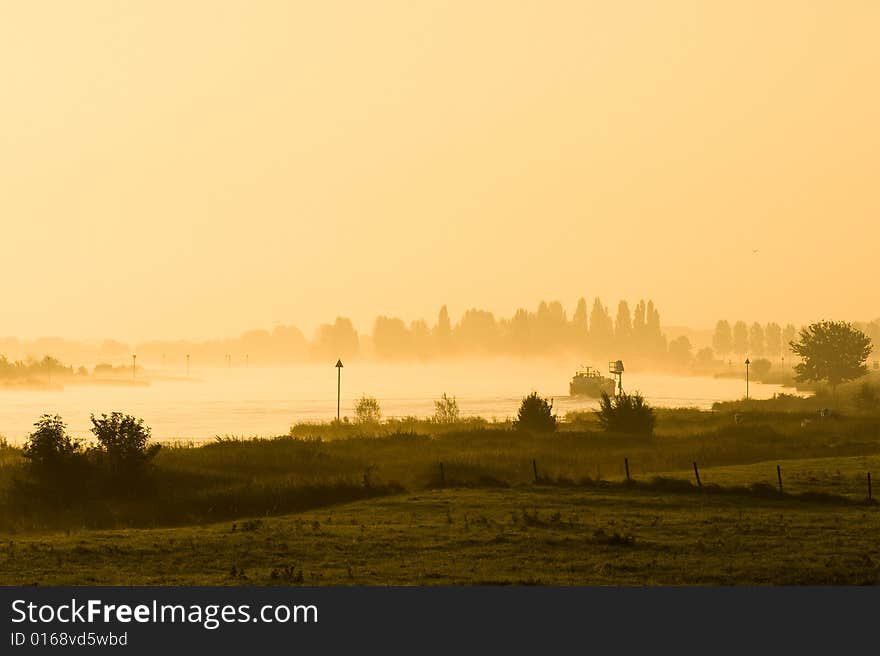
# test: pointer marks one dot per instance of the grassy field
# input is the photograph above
(523, 535)
(345, 504)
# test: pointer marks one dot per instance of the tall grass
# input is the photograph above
(318, 465)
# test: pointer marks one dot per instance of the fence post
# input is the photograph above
(779, 477)
(869, 487)
(535, 469)
(442, 476)
(626, 465)
(697, 474)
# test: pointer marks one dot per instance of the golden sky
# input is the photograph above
(197, 168)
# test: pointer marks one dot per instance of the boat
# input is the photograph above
(588, 381)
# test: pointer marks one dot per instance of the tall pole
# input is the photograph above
(133, 367)
(187, 365)
(338, 387)
(747, 378)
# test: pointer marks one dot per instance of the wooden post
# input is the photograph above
(442, 476)
(869, 487)
(779, 477)
(535, 469)
(626, 465)
(697, 474)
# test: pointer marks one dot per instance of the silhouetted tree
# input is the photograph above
(477, 331)
(656, 342)
(623, 327)
(51, 453)
(626, 413)
(761, 367)
(367, 410)
(788, 335)
(756, 339)
(705, 357)
(680, 351)
(601, 327)
(579, 324)
(740, 338)
(722, 340)
(833, 351)
(123, 444)
(391, 339)
(446, 410)
(551, 324)
(535, 414)
(420, 338)
(773, 339)
(639, 325)
(336, 340)
(443, 332)
(866, 399)
(288, 344)
(520, 332)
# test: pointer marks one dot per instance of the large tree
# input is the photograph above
(756, 339)
(833, 351)
(722, 340)
(740, 338)
(773, 339)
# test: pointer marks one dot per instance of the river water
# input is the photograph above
(266, 401)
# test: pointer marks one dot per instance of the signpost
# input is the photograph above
(338, 386)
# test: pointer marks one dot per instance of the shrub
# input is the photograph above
(367, 410)
(51, 453)
(761, 367)
(536, 414)
(122, 443)
(626, 413)
(446, 410)
(866, 398)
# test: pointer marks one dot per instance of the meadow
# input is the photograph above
(532, 535)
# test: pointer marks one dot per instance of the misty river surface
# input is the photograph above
(266, 401)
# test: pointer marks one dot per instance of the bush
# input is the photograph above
(761, 367)
(367, 410)
(536, 414)
(626, 413)
(122, 444)
(446, 410)
(866, 398)
(51, 453)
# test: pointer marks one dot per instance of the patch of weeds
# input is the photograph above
(613, 539)
(287, 573)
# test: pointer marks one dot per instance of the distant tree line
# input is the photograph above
(755, 340)
(591, 332)
(769, 340)
(30, 368)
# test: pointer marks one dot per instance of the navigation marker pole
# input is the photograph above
(338, 386)
(747, 378)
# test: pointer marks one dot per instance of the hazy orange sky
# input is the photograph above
(197, 168)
